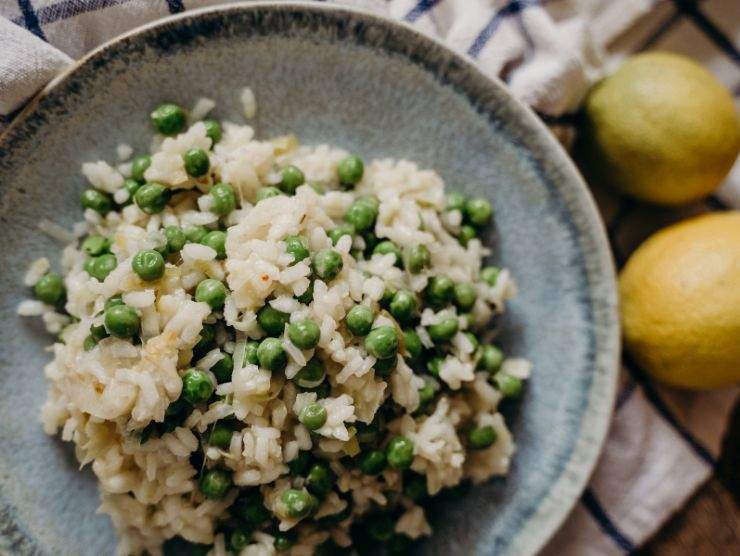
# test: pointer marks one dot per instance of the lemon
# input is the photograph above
(680, 302)
(661, 128)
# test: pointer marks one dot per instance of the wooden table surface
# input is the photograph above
(710, 522)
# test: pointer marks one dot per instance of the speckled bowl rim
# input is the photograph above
(552, 511)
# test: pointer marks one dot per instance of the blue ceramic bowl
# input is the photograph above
(382, 90)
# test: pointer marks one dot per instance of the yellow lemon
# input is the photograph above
(680, 302)
(661, 128)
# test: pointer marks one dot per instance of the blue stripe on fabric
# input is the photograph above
(30, 19)
(71, 8)
(666, 26)
(592, 505)
(422, 7)
(175, 6)
(660, 406)
(513, 7)
(707, 26)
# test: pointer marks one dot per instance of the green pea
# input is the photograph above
(197, 387)
(382, 342)
(490, 274)
(327, 264)
(213, 130)
(384, 367)
(250, 507)
(466, 234)
(223, 199)
(239, 539)
(207, 337)
(344, 229)
(96, 245)
(360, 320)
(319, 480)
(267, 192)
(304, 334)
(417, 258)
(250, 352)
(272, 321)
(387, 246)
(271, 355)
(113, 301)
(350, 170)
(478, 211)
(480, 438)
(296, 246)
(456, 201)
(299, 465)
(212, 292)
(362, 213)
(415, 487)
(311, 375)
(168, 119)
(221, 435)
(444, 330)
(283, 541)
(465, 295)
(434, 365)
(313, 416)
(307, 296)
(121, 321)
(490, 359)
(99, 267)
(96, 200)
(291, 178)
(151, 197)
(49, 288)
(98, 332)
(380, 527)
(400, 452)
(373, 462)
(414, 347)
(175, 237)
(196, 162)
(472, 338)
(131, 186)
(426, 393)
(388, 295)
(298, 503)
(216, 240)
(215, 483)
(439, 291)
(223, 368)
(139, 165)
(403, 305)
(148, 265)
(89, 343)
(509, 386)
(195, 234)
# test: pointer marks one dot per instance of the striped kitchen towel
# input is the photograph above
(663, 443)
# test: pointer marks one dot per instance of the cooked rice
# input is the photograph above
(104, 398)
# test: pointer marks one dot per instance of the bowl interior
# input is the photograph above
(339, 77)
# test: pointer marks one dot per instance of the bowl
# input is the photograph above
(378, 88)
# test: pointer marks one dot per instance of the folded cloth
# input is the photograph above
(663, 443)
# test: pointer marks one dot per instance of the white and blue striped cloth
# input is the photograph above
(663, 444)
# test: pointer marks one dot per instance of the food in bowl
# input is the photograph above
(265, 347)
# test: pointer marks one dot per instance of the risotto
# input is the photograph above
(265, 347)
